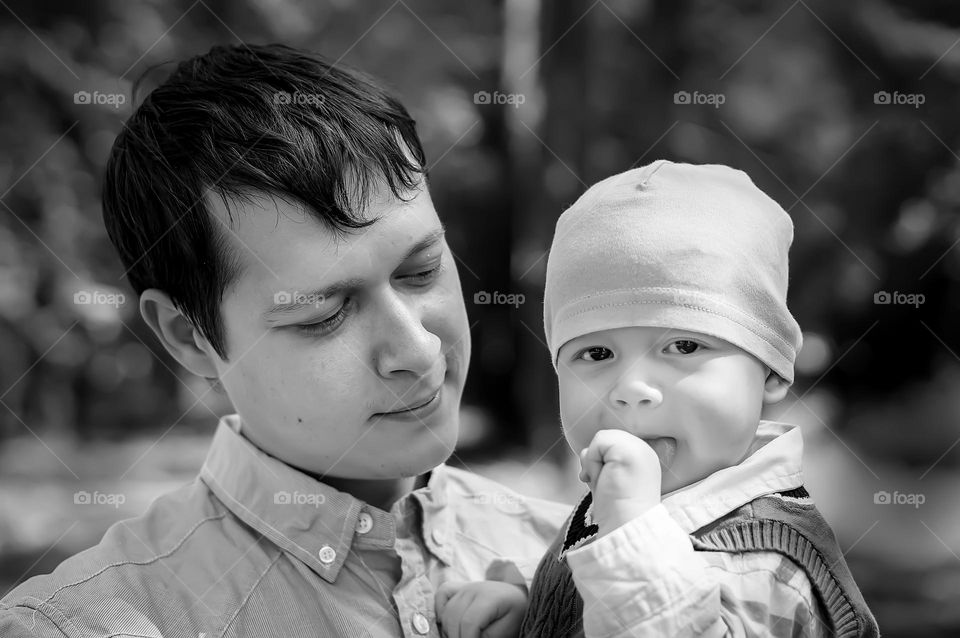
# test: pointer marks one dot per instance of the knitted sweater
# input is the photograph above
(786, 522)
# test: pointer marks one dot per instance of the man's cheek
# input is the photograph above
(444, 315)
(450, 278)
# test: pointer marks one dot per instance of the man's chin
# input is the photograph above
(409, 462)
(435, 451)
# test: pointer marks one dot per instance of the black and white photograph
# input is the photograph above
(501, 319)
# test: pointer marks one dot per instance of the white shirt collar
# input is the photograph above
(773, 465)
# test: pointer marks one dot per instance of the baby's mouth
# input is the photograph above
(665, 447)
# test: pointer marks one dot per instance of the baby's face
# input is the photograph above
(695, 399)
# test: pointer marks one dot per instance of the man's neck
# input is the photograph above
(378, 493)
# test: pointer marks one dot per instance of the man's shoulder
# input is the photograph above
(180, 545)
(134, 541)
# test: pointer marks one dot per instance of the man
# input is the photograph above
(273, 213)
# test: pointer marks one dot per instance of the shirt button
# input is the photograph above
(420, 624)
(327, 555)
(438, 536)
(364, 523)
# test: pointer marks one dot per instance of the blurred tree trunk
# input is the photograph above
(595, 74)
(547, 162)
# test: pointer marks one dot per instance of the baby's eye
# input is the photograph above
(595, 353)
(683, 346)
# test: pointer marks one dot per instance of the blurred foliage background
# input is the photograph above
(845, 113)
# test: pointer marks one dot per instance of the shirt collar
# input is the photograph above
(437, 520)
(773, 464)
(305, 517)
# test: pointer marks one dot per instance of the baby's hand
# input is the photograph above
(482, 609)
(623, 473)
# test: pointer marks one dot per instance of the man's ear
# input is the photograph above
(774, 389)
(177, 335)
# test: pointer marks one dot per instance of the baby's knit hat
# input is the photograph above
(690, 247)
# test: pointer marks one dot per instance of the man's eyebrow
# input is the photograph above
(431, 238)
(297, 299)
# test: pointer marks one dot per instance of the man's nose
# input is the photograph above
(405, 346)
(635, 389)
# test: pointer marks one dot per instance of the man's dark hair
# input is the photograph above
(234, 122)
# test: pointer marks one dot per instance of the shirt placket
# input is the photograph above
(414, 596)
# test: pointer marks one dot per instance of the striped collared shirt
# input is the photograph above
(254, 547)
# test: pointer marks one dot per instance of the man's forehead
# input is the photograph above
(282, 241)
(260, 223)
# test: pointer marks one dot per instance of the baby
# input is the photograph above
(666, 318)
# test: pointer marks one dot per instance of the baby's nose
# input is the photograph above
(634, 391)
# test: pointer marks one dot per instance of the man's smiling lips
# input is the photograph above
(414, 406)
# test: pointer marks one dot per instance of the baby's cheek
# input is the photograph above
(579, 423)
(729, 441)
